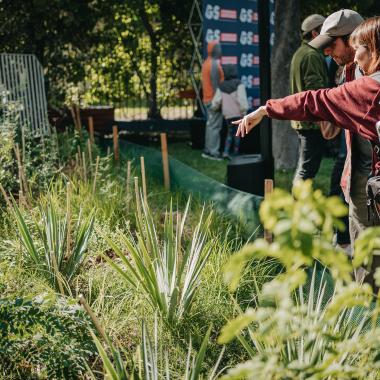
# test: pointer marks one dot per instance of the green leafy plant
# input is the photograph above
(43, 338)
(327, 332)
(46, 242)
(150, 367)
(167, 270)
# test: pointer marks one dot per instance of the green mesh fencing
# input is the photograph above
(237, 204)
(231, 202)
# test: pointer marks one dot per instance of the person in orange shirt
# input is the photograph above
(212, 76)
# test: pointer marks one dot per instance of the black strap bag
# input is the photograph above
(373, 199)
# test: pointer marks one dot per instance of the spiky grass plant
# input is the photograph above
(150, 367)
(55, 253)
(167, 269)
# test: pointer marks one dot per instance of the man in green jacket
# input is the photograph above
(308, 71)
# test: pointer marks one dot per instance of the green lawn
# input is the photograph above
(218, 170)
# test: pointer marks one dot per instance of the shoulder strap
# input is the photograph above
(376, 76)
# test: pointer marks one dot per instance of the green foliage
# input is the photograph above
(8, 127)
(43, 338)
(151, 367)
(45, 242)
(38, 154)
(169, 270)
(326, 332)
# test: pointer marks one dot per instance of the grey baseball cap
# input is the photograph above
(338, 24)
(312, 22)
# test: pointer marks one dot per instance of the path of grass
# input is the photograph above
(217, 170)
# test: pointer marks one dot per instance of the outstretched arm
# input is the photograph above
(352, 106)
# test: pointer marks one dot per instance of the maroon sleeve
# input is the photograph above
(352, 106)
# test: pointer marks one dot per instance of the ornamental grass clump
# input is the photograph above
(167, 268)
(154, 363)
(309, 323)
(54, 243)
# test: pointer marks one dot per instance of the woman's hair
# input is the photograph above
(368, 34)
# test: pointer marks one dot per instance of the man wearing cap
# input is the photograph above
(333, 39)
(308, 71)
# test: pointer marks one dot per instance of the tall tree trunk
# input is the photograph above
(287, 40)
(154, 111)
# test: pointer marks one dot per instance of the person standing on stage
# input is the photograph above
(212, 76)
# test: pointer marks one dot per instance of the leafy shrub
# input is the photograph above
(43, 339)
(329, 332)
(39, 155)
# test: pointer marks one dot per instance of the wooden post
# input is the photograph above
(143, 178)
(68, 220)
(96, 174)
(128, 183)
(268, 189)
(84, 167)
(137, 194)
(89, 148)
(5, 195)
(92, 315)
(91, 129)
(79, 122)
(165, 161)
(115, 142)
(74, 116)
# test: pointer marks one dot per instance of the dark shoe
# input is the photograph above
(212, 156)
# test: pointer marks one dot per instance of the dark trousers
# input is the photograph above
(310, 149)
(342, 237)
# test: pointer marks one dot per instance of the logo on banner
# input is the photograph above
(248, 15)
(249, 38)
(229, 60)
(212, 35)
(230, 14)
(215, 12)
(249, 60)
(228, 37)
(250, 81)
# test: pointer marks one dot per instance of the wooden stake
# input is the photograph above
(93, 317)
(115, 142)
(91, 129)
(128, 183)
(268, 189)
(73, 115)
(89, 154)
(79, 122)
(84, 167)
(165, 161)
(143, 178)
(4, 193)
(96, 174)
(137, 194)
(68, 219)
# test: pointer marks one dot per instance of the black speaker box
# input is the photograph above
(247, 173)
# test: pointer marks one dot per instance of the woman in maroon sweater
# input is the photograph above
(354, 105)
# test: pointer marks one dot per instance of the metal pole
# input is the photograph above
(265, 86)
